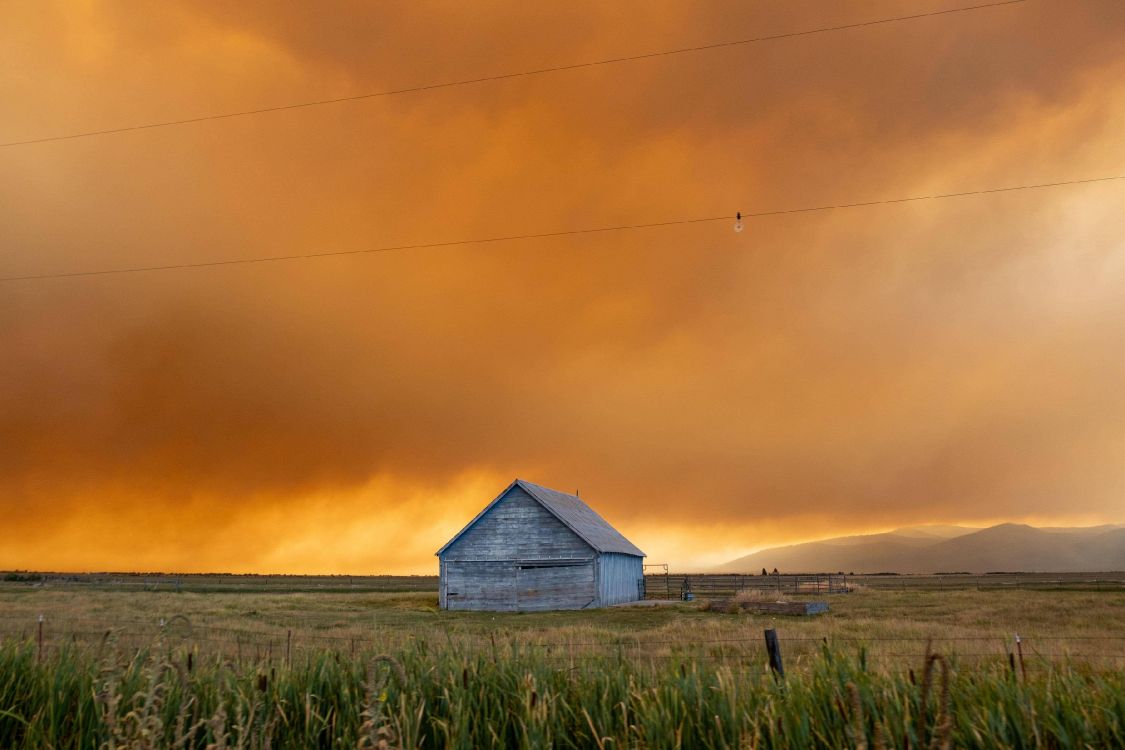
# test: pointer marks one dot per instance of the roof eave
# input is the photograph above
(529, 488)
(547, 506)
(531, 491)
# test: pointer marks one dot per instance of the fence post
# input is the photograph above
(774, 649)
(1019, 650)
(40, 638)
(288, 646)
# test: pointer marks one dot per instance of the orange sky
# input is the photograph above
(710, 393)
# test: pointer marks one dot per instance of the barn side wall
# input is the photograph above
(619, 578)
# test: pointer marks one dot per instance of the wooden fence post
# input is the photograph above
(774, 649)
(288, 647)
(1019, 650)
(40, 638)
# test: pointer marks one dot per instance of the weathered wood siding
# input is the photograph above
(518, 556)
(518, 528)
(542, 586)
(619, 578)
(504, 585)
(479, 584)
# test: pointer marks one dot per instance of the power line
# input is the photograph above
(332, 253)
(936, 196)
(505, 76)
(560, 233)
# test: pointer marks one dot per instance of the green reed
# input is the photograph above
(454, 697)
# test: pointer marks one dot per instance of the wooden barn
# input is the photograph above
(534, 548)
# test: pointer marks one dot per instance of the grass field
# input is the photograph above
(1050, 623)
(300, 669)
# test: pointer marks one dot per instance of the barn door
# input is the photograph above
(542, 585)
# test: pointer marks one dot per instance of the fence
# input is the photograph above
(709, 585)
(991, 581)
(658, 585)
(224, 583)
(746, 646)
(677, 585)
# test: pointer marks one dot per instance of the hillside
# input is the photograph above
(1007, 547)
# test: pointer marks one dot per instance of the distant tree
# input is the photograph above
(775, 572)
(764, 572)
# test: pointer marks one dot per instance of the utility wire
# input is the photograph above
(505, 76)
(331, 253)
(561, 233)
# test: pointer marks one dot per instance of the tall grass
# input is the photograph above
(450, 697)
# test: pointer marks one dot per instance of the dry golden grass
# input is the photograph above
(893, 656)
(887, 624)
(757, 595)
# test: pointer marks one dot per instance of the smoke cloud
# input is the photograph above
(709, 392)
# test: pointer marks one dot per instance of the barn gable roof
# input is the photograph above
(574, 514)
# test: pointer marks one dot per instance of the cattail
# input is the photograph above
(943, 731)
(858, 730)
(877, 737)
(927, 677)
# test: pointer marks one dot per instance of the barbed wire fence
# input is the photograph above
(657, 585)
(693, 585)
(276, 646)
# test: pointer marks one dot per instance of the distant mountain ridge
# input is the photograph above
(1008, 547)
